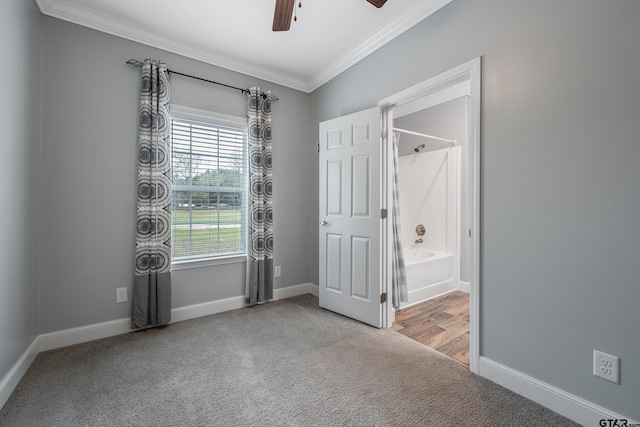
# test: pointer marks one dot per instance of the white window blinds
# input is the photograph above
(209, 185)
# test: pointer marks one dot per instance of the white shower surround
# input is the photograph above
(428, 184)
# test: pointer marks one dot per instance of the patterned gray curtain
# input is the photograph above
(260, 249)
(399, 276)
(152, 279)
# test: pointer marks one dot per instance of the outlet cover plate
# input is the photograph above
(122, 295)
(277, 271)
(606, 366)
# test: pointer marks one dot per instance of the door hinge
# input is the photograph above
(318, 147)
(383, 134)
(383, 213)
(383, 298)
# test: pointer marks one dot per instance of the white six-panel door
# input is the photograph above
(349, 230)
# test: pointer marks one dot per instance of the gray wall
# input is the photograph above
(89, 153)
(560, 193)
(20, 42)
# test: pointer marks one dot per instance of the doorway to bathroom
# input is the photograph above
(356, 228)
(435, 127)
(431, 146)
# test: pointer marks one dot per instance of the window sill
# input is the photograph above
(207, 262)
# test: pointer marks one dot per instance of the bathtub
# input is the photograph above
(429, 274)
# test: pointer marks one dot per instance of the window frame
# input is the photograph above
(216, 119)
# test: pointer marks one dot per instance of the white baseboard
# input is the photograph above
(67, 337)
(294, 291)
(82, 334)
(314, 289)
(13, 377)
(206, 309)
(464, 286)
(560, 401)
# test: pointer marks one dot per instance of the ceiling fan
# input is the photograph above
(284, 11)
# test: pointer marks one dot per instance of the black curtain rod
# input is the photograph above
(136, 63)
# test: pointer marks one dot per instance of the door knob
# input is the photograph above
(323, 222)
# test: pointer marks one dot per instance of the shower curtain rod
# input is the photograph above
(136, 63)
(424, 135)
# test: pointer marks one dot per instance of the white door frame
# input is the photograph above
(463, 80)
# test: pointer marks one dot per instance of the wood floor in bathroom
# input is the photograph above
(441, 323)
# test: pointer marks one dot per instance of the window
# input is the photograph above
(209, 185)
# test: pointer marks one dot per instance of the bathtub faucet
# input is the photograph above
(418, 240)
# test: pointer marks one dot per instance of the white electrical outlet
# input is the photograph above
(277, 271)
(122, 295)
(606, 366)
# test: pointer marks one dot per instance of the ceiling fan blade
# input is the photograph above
(282, 15)
(377, 3)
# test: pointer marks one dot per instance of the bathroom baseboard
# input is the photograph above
(464, 286)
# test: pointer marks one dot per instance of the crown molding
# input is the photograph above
(414, 15)
(86, 17)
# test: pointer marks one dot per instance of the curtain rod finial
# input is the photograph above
(134, 63)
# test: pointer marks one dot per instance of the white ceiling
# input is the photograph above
(329, 36)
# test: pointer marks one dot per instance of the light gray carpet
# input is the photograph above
(286, 363)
